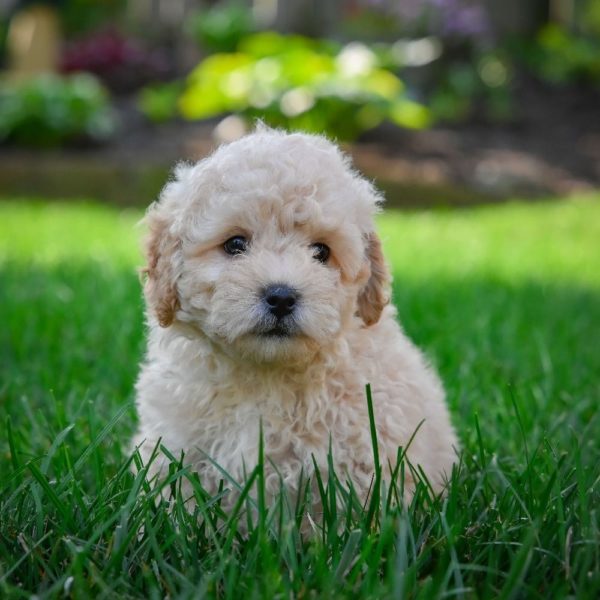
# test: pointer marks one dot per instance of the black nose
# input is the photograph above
(280, 299)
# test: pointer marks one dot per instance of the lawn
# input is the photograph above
(504, 299)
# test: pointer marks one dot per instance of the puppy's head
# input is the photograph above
(267, 248)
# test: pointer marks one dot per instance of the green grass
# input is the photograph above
(505, 300)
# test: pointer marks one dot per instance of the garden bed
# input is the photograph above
(552, 147)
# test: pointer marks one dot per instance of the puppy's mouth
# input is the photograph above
(276, 332)
(280, 329)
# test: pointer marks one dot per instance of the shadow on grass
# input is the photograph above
(496, 343)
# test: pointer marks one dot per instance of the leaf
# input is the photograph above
(412, 115)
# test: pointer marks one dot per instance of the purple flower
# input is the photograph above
(464, 21)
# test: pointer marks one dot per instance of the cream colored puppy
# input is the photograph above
(268, 300)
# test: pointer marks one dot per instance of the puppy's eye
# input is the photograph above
(320, 252)
(238, 244)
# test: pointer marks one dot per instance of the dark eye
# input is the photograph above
(320, 252)
(238, 244)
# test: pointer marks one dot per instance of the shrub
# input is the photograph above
(51, 110)
(122, 63)
(159, 101)
(559, 56)
(298, 83)
(222, 27)
(478, 88)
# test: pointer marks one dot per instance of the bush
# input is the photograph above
(79, 16)
(298, 83)
(222, 27)
(159, 101)
(122, 63)
(479, 88)
(559, 56)
(51, 110)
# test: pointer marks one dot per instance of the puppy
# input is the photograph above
(268, 302)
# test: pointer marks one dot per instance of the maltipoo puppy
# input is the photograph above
(268, 301)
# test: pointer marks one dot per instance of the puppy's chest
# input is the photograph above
(222, 414)
(308, 415)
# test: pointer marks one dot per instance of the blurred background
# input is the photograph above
(442, 102)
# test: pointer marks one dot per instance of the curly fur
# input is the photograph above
(209, 378)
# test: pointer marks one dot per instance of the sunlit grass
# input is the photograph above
(505, 300)
(554, 241)
(51, 233)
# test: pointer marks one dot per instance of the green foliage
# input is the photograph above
(159, 101)
(221, 27)
(590, 17)
(478, 86)
(505, 299)
(78, 16)
(51, 110)
(298, 83)
(560, 56)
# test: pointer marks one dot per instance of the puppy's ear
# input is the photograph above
(375, 295)
(160, 290)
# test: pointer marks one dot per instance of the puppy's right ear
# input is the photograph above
(160, 289)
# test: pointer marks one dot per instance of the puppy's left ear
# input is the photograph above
(375, 295)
